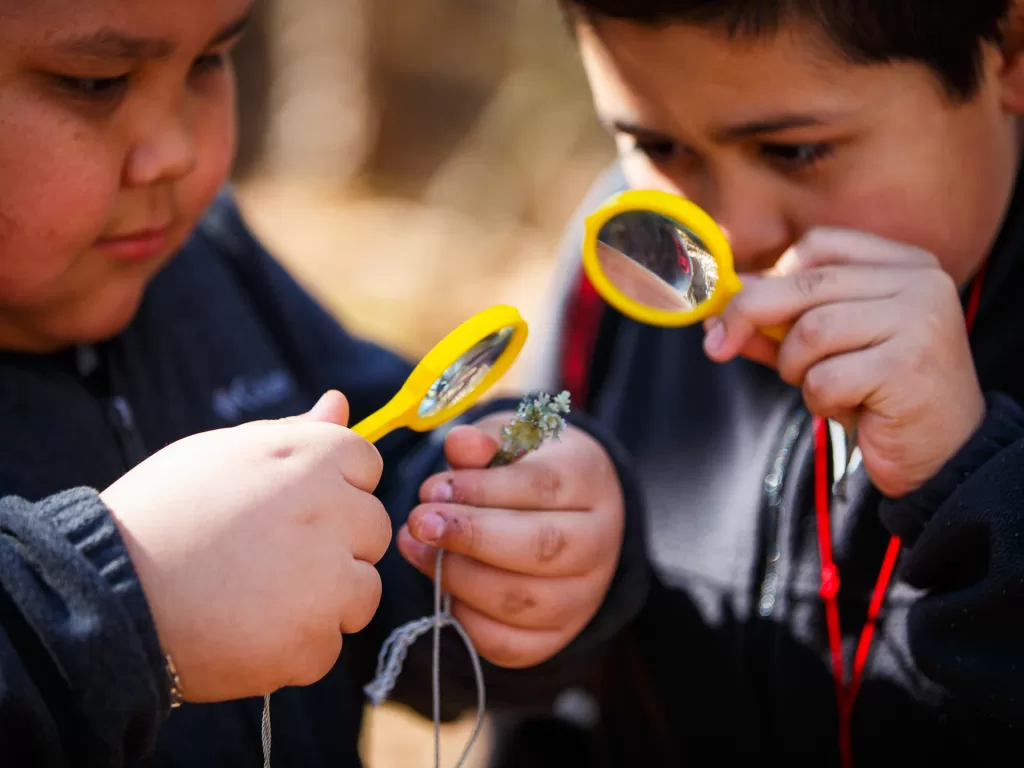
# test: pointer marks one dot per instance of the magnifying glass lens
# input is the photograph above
(656, 261)
(464, 375)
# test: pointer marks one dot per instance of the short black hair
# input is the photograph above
(947, 36)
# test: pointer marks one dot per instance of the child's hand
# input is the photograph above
(535, 544)
(878, 332)
(255, 547)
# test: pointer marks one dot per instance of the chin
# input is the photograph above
(90, 326)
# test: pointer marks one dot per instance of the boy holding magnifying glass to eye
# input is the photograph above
(863, 159)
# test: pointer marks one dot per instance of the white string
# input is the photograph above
(389, 667)
(266, 731)
(396, 647)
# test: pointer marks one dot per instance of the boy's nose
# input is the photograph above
(755, 224)
(166, 155)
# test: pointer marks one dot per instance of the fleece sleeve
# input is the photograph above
(964, 533)
(82, 679)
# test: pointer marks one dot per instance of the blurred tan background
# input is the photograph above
(413, 162)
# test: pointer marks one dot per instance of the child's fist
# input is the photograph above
(878, 337)
(255, 547)
(533, 545)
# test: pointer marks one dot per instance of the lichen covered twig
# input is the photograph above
(537, 419)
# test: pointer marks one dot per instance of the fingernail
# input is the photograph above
(715, 337)
(442, 492)
(432, 527)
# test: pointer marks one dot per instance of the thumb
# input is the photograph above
(332, 408)
(469, 447)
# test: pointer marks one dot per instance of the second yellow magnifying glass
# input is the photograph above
(453, 376)
(661, 260)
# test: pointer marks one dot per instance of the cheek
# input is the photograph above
(947, 196)
(58, 186)
(216, 140)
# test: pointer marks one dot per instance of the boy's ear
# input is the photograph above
(1013, 59)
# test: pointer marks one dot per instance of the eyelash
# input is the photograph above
(792, 157)
(110, 88)
(797, 157)
(659, 151)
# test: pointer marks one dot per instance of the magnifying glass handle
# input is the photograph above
(776, 332)
(376, 425)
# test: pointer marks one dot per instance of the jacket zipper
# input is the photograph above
(767, 580)
(100, 373)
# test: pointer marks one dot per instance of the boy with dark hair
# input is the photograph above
(863, 158)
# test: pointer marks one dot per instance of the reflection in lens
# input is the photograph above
(656, 261)
(465, 374)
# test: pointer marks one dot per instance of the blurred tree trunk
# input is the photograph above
(435, 65)
(253, 72)
(321, 116)
(428, 99)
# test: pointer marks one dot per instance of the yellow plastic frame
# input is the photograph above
(694, 219)
(402, 410)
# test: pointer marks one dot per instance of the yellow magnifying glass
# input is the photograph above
(661, 260)
(453, 376)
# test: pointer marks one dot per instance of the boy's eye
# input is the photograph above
(797, 156)
(659, 151)
(208, 63)
(95, 88)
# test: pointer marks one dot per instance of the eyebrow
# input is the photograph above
(728, 133)
(637, 131)
(109, 43)
(773, 124)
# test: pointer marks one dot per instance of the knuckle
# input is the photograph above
(918, 361)
(360, 599)
(927, 257)
(549, 543)
(518, 600)
(805, 283)
(812, 330)
(361, 460)
(818, 383)
(814, 245)
(371, 464)
(319, 655)
(568, 615)
(382, 531)
(464, 490)
(808, 283)
(548, 485)
(311, 515)
(500, 650)
(368, 604)
(463, 531)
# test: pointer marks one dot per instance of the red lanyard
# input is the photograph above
(847, 694)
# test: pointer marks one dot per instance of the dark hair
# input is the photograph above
(947, 36)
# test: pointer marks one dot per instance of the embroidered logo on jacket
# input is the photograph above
(247, 394)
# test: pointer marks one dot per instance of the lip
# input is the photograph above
(135, 247)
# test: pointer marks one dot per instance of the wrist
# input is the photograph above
(1002, 425)
(141, 559)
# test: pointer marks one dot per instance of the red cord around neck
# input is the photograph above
(846, 695)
